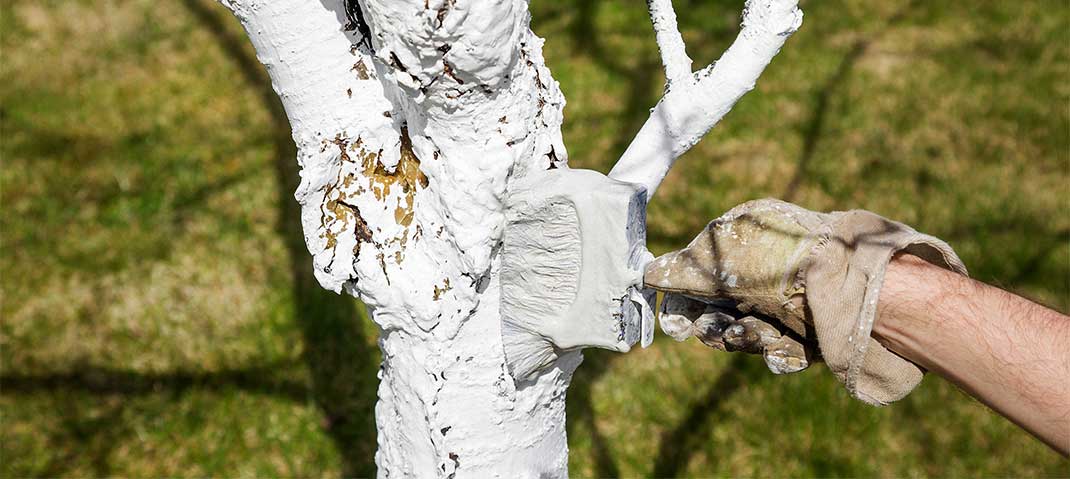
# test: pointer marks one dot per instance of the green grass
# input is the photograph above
(158, 312)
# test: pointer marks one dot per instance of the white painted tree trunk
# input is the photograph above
(407, 142)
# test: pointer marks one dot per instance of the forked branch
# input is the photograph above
(670, 42)
(694, 102)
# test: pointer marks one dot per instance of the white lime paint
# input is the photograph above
(694, 102)
(407, 155)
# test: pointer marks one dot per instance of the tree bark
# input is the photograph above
(410, 118)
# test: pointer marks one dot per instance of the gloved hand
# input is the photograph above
(773, 278)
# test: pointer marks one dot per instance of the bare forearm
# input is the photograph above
(1006, 351)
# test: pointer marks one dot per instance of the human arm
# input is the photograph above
(793, 285)
(1008, 352)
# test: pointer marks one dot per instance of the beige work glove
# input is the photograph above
(775, 279)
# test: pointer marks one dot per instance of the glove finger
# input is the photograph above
(786, 355)
(710, 327)
(677, 314)
(750, 335)
(718, 325)
(692, 269)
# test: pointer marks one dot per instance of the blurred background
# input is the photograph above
(159, 316)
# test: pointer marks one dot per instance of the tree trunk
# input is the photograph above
(405, 153)
(410, 118)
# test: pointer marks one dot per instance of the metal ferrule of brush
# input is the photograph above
(573, 256)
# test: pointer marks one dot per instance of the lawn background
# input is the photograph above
(159, 316)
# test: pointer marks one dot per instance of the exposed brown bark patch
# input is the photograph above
(406, 175)
(339, 213)
(440, 291)
(361, 69)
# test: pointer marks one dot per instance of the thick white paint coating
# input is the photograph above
(670, 43)
(407, 151)
(694, 104)
(572, 268)
(427, 269)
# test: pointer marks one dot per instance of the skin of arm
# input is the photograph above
(1008, 352)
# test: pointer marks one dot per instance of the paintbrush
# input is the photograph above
(573, 255)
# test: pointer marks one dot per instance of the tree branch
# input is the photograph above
(670, 42)
(694, 104)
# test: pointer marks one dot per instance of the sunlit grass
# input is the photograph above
(159, 318)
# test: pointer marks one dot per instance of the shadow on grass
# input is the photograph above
(97, 433)
(342, 365)
(107, 381)
(337, 353)
(580, 409)
(675, 447)
(815, 126)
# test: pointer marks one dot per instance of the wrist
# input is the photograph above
(905, 310)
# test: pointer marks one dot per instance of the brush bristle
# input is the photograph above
(540, 266)
(572, 259)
